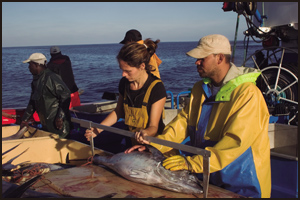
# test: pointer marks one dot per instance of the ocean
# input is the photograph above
(96, 69)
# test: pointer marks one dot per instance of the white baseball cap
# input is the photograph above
(211, 44)
(37, 58)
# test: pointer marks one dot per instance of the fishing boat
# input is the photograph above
(277, 60)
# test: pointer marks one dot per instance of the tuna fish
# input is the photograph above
(145, 167)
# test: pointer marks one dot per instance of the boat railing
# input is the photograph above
(172, 99)
(178, 96)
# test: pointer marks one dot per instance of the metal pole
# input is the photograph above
(235, 37)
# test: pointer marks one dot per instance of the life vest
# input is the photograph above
(137, 118)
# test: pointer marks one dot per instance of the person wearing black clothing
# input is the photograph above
(50, 98)
(142, 95)
(135, 97)
(61, 64)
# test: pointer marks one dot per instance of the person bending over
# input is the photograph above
(142, 95)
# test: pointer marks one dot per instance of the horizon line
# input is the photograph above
(91, 44)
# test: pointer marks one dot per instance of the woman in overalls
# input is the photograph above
(142, 95)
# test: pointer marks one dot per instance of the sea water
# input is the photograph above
(96, 69)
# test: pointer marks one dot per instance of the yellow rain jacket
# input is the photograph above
(236, 134)
(154, 62)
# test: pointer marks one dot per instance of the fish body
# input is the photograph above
(145, 167)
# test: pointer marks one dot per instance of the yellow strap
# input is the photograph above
(147, 95)
(146, 98)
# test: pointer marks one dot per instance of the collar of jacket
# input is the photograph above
(234, 77)
(140, 41)
(36, 77)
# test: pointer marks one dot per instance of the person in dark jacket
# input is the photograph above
(61, 64)
(50, 98)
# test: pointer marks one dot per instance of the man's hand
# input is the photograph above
(24, 123)
(59, 123)
(4, 114)
(92, 132)
(175, 163)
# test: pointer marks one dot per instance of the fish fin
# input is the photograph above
(10, 149)
(19, 191)
(198, 181)
(138, 174)
(155, 152)
(11, 160)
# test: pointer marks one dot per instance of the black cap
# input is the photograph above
(132, 35)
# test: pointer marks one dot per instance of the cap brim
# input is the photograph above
(197, 53)
(123, 41)
(26, 61)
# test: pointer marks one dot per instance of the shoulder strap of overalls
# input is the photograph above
(147, 95)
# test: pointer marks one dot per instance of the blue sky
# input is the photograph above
(68, 23)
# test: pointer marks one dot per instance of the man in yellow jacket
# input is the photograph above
(227, 115)
(134, 35)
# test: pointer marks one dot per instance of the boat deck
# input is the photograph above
(92, 181)
(84, 179)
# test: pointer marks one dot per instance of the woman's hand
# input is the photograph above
(140, 137)
(91, 132)
(138, 147)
